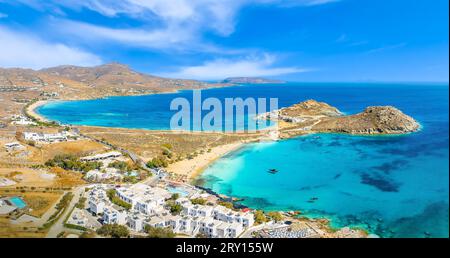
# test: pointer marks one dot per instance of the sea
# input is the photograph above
(391, 186)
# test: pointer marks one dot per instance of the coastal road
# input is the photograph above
(58, 227)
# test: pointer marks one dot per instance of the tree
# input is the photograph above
(174, 208)
(228, 205)
(260, 217)
(157, 162)
(120, 165)
(112, 196)
(154, 232)
(175, 196)
(276, 216)
(113, 230)
(200, 201)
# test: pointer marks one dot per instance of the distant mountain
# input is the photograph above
(250, 80)
(91, 82)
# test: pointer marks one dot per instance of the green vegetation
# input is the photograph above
(229, 205)
(154, 232)
(88, 234)
(71, 162)
(120, 165)
(77, 227)
(175, 196)
(113, 230)
(81, 203)
(112, 195)
(200, 201)
(260, 217)
(175, 208)
(60, 208)
(158, 162)
(167, 146)
(37, 121)
(130, 179)
(201, 235)
(276, 216)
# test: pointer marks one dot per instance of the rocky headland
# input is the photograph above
(314, 116)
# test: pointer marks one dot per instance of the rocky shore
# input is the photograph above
(312, 116)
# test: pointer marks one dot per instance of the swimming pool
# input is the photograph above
(18, 202)
(177, 190)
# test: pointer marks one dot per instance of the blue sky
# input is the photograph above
(297, 40)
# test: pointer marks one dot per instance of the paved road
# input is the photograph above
(58, 227)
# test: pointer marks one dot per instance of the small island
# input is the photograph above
(312, 116)
(250, 80)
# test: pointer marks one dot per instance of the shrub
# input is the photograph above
(154, 232)
(229, 205)
(157, 162)
(260, 217)
(112, 195)
(71, 162)
(174, 208)
(276, 216)
(200, 201)
(113, 230)
(175, 196)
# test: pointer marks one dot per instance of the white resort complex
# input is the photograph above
(148, 207)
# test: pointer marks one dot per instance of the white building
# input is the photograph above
(96, 206)
(97, 199)
(136, 222)
(99, 176)
(21, 120)
(103, 156)
(45, 137)
(13, 146)
(78, 218)
(224, 214)
(197, 210)
(143, 198)
(112, 215)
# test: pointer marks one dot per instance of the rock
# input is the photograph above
(373, 120)
(310, 108)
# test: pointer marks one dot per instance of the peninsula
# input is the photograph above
(318, 117)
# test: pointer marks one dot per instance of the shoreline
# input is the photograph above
(31, 110)
(192, 168)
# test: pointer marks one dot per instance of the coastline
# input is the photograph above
(31, 110)
(192, 168)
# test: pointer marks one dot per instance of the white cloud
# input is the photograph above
(386, 48)
(223, 68)
(178, 20)
(20, 50)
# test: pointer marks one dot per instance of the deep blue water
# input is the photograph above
(394, 186)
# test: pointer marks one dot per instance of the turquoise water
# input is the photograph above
(18, 202)
(394, 186)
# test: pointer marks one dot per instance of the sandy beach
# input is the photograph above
(193, 167)
(31, 110)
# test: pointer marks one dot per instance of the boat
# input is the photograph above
(313, 199)
(273, 171)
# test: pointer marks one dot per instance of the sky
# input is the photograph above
(294, 40)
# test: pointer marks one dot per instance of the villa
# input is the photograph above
(13, 146)
(21, 120)
(45, 137)
(114, 215)
(103, 156)
(5, 207)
